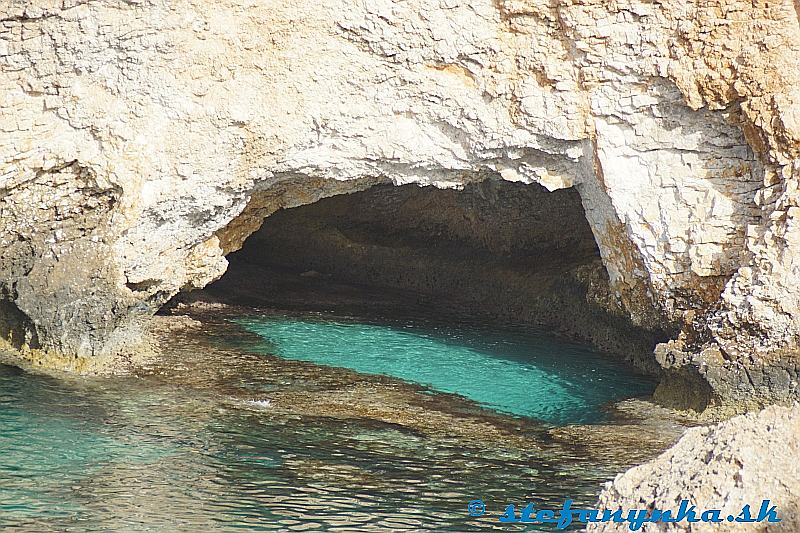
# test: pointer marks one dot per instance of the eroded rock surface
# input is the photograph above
(506, 253)
(743, 461)
(143, 140)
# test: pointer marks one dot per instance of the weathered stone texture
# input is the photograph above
(743, 461)
(169, 129)
(507, 253)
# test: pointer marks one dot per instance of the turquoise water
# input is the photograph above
(521, 374)
(183, 446)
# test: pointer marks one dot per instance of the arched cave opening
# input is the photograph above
(503, 252)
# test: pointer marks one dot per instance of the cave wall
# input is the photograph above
(509, 253)
(675, 121)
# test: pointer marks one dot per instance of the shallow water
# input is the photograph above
(514, 372)
(229, 434)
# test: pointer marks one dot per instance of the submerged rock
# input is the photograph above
(144, 141)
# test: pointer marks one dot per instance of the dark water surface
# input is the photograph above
(224, 435)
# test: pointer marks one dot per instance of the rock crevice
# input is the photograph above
(143, 141)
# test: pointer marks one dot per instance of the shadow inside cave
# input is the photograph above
(508, 253)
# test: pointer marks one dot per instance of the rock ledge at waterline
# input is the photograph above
(745, 460)
(144, 140)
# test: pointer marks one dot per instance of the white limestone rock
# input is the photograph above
(142, 141)
(742, 461)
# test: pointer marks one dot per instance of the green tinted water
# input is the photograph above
(184, 446)
(522, 374)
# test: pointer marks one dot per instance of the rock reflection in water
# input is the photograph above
(179, 448)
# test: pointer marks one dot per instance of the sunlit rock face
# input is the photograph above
(142, 141)
(743, 461)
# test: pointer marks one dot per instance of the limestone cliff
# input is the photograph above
(743, 461)
(142, 140)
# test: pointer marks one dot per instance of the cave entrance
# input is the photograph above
(496, 251)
